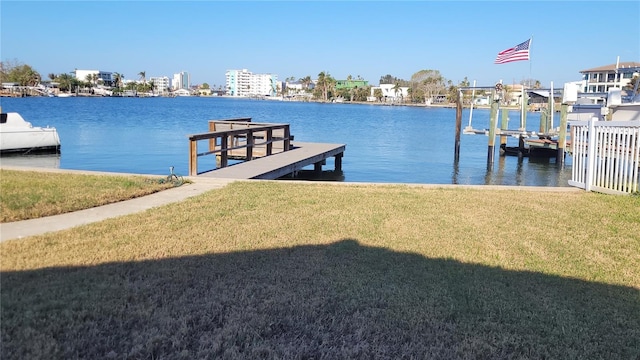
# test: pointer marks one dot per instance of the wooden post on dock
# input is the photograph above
(492, 128)
(562, 134)
(193, 158)
(543, 121)
(456, 149)
(523, 121)
(504, 125)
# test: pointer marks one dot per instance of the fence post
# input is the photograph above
(591, 155)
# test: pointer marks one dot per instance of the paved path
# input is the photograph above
(20, 229)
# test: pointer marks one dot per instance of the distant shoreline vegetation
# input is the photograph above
(425, 88)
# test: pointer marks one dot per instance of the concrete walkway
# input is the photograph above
(20, 229)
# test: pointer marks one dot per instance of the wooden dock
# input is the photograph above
(267, 151)
(280, 164)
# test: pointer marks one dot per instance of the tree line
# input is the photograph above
(423, 86)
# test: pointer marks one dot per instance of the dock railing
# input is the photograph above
(606, 156)
(238, 139)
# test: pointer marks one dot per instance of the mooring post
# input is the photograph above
(504, 125)
(523, 122)
(456, 149)
(492, 129)
(543, 121)
(562, 134)
(523, 110)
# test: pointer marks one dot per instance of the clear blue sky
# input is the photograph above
(300, 38)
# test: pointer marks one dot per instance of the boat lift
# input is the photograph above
(547, 138)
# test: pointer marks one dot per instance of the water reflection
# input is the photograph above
(50, 161)
(514, 170)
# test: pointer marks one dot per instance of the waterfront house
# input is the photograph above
(389, 94)
(602, 78)
(351, 84)
(102, 77)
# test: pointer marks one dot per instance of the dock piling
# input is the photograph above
(492, 129)
(504, 125)
(543, 121)
(562, 134)
(456, 151)
(338, 162)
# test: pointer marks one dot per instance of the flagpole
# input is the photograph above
(530, 76)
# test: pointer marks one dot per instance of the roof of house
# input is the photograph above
(612, 67)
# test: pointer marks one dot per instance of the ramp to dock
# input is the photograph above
(281, 164)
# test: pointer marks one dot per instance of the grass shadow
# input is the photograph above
(342, 300)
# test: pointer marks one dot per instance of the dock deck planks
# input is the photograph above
(280, 164)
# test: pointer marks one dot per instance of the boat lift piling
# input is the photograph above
(562, 134)
(493, 120)
(504, 125)
(523, 120)
(456, 148)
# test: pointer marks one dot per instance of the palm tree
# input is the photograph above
(325, 81)
(396, 90)
(322, 84)
(64, 82)
(89, 79)
(143, 77)
(117, 80)
(274, 88)
(306, 81)
(377, 93)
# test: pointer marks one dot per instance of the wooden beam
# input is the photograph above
(193, 158)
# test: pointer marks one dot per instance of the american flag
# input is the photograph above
(516, 53)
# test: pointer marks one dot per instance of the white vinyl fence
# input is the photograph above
(606, 156)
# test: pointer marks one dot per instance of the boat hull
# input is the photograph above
(625, 112)
(19, 136)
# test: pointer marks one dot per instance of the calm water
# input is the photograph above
(384, 143)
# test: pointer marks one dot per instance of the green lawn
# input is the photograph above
(325, 271)
(29, 194)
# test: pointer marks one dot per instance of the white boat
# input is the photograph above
(19, 136)
(65, 95)
(620, 110)
(610, 106)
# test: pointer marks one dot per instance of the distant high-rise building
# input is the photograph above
(181, 80)
(245, 83)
